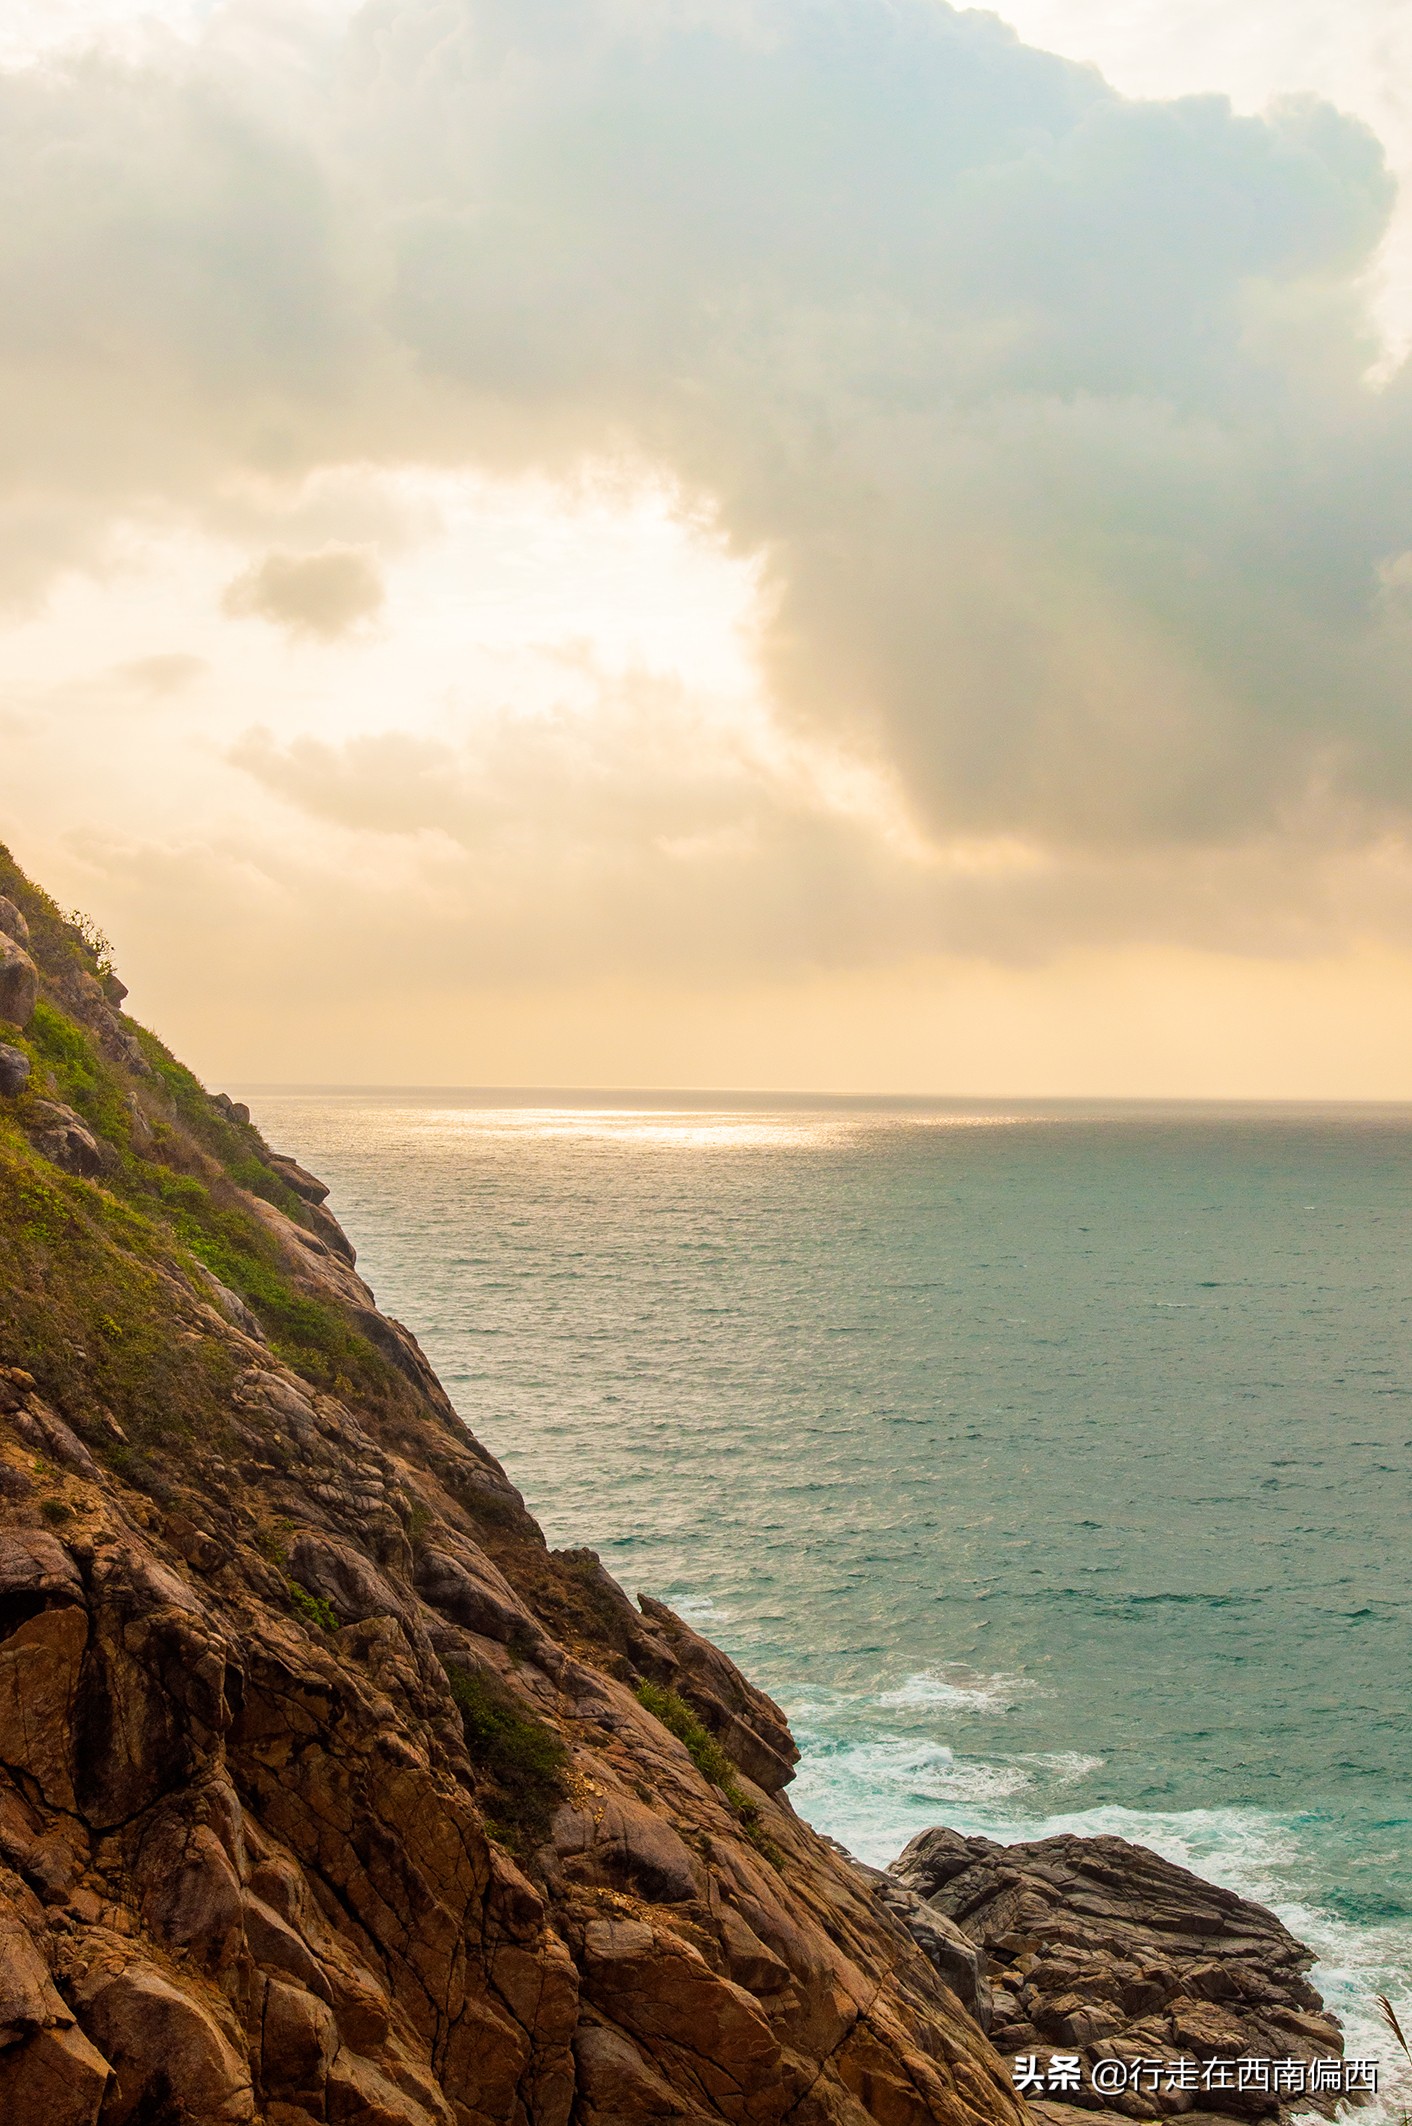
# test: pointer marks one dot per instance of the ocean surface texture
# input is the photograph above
(1049, 1464)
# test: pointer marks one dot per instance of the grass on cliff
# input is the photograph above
(77, 1074)
(237, 1145)
(85, 1309)
(310, 1335)
(520, 1757)
(204, 1217)
(73, 1070)
(709, 1758)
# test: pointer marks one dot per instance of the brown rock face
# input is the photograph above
(58, 2076)
(327, 1792)
(19, 982)
(166, 2049)
(1102, 1948)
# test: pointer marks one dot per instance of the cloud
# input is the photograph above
(323, 594)
(635, 836)
(168, 672)
(1046, 409)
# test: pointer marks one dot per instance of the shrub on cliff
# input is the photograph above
(521, 1758)
(709, 1758)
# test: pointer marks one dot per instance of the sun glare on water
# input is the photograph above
(683, 1129)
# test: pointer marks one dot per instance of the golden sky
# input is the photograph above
(760, 544)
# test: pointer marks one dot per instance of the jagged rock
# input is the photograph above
(19, 982)
(298, 2041)
(703, 2033)
(230, 1305)
(359, 2094)
(323, 1272)
(627, 1847)
(274, 1943)
(140, 1132)
(298, 1177)
(351, 1585)
(331, 1232)
(14, 1071)
(615, 2082)
(56, 2078)
(751, 1726)
(47, 1433)
(65, 1137)
(477, 1596)
(170, 2057)
(40, 1663)
(951, 1952)
(28, 2001)
(190, 1889)
(1101, 1947)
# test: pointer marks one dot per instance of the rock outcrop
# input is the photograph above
(19, 982)
(1099, 1948)
(327, 1791)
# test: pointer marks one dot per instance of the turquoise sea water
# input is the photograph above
(1049, 1464)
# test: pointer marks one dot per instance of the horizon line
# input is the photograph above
(694, 1096)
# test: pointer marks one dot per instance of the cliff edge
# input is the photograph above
(327, 1790)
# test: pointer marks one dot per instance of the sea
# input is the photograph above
(1050, 1463)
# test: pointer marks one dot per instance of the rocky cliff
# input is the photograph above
(327, 1790)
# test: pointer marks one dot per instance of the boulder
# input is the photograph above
(13, 923)
(19, 982)
(337, 1572)
(45, 1431)
(298, 2040)
(56, 2079)
(704, 2034)
(358, 2094)
(290, 1171)
(66, 1138)
(170, 2057)
(276, 1945)
(191, 1894)
(482, 1601)
(40, 1662)
(14, 1071)
(624, 1846)
(28, 2001)
(228, 1304)
(35, 1568)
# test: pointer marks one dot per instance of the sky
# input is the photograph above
(831, 544)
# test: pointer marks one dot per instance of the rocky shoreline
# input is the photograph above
(331, 1796)
(1099, 1955)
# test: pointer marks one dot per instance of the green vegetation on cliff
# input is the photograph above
(521, 1758)
(84, 1303)
(707, 1755)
